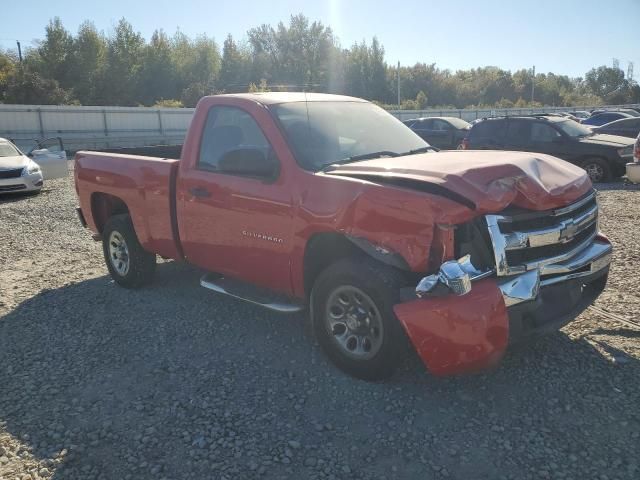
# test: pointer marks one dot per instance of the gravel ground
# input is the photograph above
(173, 381)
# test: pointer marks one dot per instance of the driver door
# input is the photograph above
(51, 157)
(234, 224)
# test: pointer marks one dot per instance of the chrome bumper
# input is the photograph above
(526, 286)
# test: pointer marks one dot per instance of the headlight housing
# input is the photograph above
(31, 168)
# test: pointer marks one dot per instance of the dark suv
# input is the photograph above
(602, 156)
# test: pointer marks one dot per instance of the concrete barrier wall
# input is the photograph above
(110, 127)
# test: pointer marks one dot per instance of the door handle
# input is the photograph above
(199, 192)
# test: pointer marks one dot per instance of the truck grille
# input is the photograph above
(525, 240)
(13, 173)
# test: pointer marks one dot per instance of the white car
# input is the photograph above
(633, 169)
(26, 173)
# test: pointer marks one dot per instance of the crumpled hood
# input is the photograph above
(11, 163)
(608, 140)
(490, 180)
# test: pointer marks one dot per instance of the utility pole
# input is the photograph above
(398, 84)
(533, 83)
(19, 51)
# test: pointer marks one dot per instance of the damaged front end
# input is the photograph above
(532, 272)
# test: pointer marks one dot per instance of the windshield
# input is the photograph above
(574, 129)
(8, 150)
(322, 133)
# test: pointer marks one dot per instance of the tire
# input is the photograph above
(599, 170)
(130, 265)
(367, 345)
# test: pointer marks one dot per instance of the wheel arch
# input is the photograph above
(104, 206)
(325, 248)
(609, 164)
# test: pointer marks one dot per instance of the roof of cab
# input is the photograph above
(272, 98)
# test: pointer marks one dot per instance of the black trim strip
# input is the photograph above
(411, 184)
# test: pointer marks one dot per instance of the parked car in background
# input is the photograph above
(50, 155)
(602, 156)
(629, 111)
(633, 168)
(605, 117)
(440, 132)
(581, 114)
(18, 173)
(626, 127)
(569, 115)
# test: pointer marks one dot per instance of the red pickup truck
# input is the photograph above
(327, 203)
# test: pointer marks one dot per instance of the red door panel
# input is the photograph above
(242, 229)
(238, 226)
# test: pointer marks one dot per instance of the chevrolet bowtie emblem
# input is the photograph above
(568, 231)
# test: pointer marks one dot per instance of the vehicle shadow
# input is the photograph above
(621, 184)
(22, 196)
(102, 382)
(16, 197)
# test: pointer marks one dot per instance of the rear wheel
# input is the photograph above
(598, 170)
(129, 264)
(354, 320)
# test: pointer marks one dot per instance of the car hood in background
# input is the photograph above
(488, 180)
(11, 163)
(607, 140)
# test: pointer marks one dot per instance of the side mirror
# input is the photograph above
(251, 162)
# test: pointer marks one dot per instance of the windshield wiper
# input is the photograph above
(415, 151)
(357, 158)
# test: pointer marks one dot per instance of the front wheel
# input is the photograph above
(129, 264)
(354, 320)
(598, 170)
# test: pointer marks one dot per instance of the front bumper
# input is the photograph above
(457, 334)
(25, 183)
(555, 306)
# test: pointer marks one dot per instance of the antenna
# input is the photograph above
(630, 72)
(616, 64)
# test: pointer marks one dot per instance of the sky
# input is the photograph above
(561, 36)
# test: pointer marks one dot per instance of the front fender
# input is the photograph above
(458, 334)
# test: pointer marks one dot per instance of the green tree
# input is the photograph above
(379, 89)
(55, 54)
(604, 81)
(196, 62)
(157, 77)
(88, 64)
(233, 67)
(193, 93)
(124, 59)
(27, 86)
(299, 54)
(7, 71)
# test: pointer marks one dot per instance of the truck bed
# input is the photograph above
(106, 182)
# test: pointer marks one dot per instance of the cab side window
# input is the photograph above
(228, 129)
